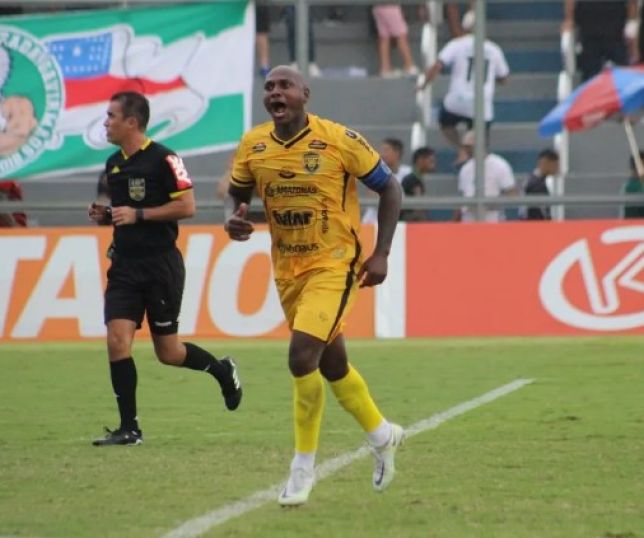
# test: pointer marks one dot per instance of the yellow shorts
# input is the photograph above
(317, 302)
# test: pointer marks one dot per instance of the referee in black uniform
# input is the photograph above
(150, 191)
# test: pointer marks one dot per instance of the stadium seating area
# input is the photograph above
(529, 35)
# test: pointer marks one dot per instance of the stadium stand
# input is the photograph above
(529, 35)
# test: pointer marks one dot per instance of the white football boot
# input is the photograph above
(384, 468)
(297, 488)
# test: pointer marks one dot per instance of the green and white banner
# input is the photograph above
(58, 71)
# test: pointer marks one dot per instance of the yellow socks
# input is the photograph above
(353, 394)
(308, 404)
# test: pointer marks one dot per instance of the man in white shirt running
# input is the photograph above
(458, 104)
(499, 181)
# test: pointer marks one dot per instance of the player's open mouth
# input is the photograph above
(277, 109)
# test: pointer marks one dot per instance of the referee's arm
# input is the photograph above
(180, 207)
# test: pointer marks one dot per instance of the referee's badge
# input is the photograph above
(311, 161)
(136, 188)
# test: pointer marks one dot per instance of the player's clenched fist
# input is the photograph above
(238, 226)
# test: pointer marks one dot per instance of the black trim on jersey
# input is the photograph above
(292, 141)
(297, 138)
(275, 139)
(349, 284)
(344, 189)
(245, 182)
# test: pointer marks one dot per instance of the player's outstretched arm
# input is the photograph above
(374, 269)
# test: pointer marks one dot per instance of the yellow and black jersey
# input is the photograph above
(150, 177)
(308, 186)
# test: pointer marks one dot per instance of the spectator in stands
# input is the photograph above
(391, 24)
(635, 186)
(499, 181)
(458, 106)
(453, 18)
(607, 32)
(262, 45)
(289, 15)
(413, 184)
(391, 152)
(10, 191)
(547, 165)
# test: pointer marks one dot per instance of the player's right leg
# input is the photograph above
(308, 405)
(123, 315)
(120, 334)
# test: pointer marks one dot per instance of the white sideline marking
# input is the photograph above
(197, 526)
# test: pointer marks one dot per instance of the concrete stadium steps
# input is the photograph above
(603, 149)
(547, 11)
(529, 45)
(518, 87)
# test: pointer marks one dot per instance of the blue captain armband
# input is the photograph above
(377, 178)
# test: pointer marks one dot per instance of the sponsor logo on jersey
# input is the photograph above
(259, 147)
(311, 161)
(136, 188)
(300, 217)
(317, 144)
(364, 144)
(289, 191)
(286, 173)
(325, 220)
(297, 249)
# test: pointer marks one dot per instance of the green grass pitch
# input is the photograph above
(561, 457)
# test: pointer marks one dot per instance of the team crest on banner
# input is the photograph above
(59, 70)
(28, 120)
(311, 161)
(136, 188)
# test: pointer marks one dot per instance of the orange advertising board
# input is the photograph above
(525, 278)
(52, 282)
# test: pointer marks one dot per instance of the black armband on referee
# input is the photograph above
(139, 214)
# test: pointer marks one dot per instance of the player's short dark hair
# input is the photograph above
(422, 152)
(134, 104)
(549, 154)
(396, 144)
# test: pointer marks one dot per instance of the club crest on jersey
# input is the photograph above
(317, 144)
(136, 188)
(311, 161)
(259, 147)
(286, 173)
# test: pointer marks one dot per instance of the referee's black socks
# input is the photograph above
(198, 358)
(124, 378)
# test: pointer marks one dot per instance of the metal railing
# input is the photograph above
(565, 84)
(415, 202)
(429, 53)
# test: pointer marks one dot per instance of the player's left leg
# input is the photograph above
(169, 350)
(163, 295)
(352, 393)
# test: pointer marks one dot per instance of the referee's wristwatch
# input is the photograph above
(139, 214)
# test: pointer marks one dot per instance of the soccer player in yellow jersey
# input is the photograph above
(305, 168)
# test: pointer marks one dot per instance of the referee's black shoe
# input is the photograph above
(120, 437)
(231, 388)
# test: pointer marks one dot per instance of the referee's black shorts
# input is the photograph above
(151, 284)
